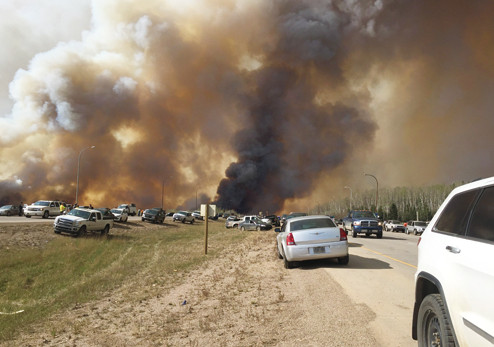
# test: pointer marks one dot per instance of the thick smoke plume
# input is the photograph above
(258, 106)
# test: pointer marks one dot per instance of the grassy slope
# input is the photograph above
(69, 271)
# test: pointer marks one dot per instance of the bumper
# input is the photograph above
(306, 252)
(66, 229)
(399, 229)
(367, 230)
(34, 213)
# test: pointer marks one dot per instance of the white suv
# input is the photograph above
(43, 208)
(454, 282)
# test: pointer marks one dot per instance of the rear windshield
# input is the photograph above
(42, 203)
(312, 223)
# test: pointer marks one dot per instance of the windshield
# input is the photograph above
(6, 207)
(421, 224)
(116, 211)
(151, 211)
(41, 203)
(363, 214)
(122, 206)
(79, 213)
(312, 223)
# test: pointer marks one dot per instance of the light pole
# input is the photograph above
(377, 189)
(78, 169)
(347, 187)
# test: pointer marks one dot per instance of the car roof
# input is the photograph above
(294, 219)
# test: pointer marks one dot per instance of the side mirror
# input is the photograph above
(277, 230)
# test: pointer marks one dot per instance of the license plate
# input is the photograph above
(318, 250)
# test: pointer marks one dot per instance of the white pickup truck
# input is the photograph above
(81, 220)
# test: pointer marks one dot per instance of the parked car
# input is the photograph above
(131, 208)
(106, 213)
(43, 208)
(454, 281)
(415, 227)
(79, 221)
(9, 210)
(183, 216)
(154, 215)
(232, 222)
(197, 215)
(394, 225)
(292, 215)
(309, 238)
(254, 224)
(120, 214)
(271, 219)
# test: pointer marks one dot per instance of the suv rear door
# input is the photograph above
(468, 283)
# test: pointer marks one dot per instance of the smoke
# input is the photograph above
(258, 106)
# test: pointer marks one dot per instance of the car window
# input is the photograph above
(481, 224)
(455, 215)
(312, 224)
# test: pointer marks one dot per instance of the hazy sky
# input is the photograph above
(260, 105)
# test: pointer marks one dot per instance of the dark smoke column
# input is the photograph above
(290, 138)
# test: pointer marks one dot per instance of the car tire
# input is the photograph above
(9, 214)
(27, 216)
(434, 328)
(414, 232)
(81, 231)
(192, 221)
(344, 260)
(354, 233)
(57, 232)
(46, 214)
(183, 220)
(287, 264)
(379, 235)
(106, 230)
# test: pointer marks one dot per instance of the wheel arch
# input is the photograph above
(427, 284)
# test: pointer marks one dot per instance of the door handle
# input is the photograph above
(453, 249)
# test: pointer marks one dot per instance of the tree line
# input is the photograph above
(402, 203)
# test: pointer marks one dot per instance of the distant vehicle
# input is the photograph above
(43, 208)
(197, 215)
(271, 219)
(310, 238)
(9, 210)
(232, 222)
(120, 214)
(79, 221)
(454, 281)
(183, 216)
(154, 215)
(131, 208)
(394, 225)
(363, 222)
(254, 224)
(106, 213)
(416, 227)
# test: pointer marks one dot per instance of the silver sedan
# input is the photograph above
(310, 238)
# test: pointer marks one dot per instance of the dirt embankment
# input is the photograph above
(243, 298)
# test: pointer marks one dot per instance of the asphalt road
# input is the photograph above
(381, 275)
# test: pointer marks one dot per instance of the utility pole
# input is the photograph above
(377, 190)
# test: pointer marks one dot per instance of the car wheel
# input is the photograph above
(344, 260)
(183, 220)
(379, 235)
(82, 231)
(434, 328)
(287, 264)
(242, 228)
(354, 233)
(192, 221)
(28, 216)
(9, 214)
(105, 230)
(46, 214)
(57, 232)
(278, 251)
(414, 232)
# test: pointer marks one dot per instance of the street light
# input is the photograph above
(347, 187)
(78, 169)
(377, 189)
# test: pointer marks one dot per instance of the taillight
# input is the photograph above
(343, 236)
(290, 241)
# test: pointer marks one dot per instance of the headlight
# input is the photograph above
(357, 222)
(380, 223)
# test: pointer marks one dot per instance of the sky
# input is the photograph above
(253, 105)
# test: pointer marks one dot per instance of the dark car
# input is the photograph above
(9, 210)
(154, 215)
(272, 219)
(106, 213)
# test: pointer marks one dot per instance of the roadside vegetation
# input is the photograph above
(36, 282)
